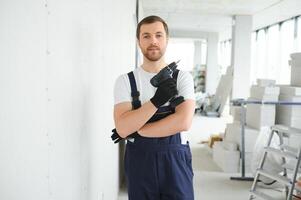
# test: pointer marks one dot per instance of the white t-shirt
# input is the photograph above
(122, 88)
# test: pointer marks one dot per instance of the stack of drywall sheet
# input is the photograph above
(295, 64)
(259, 115)
(226, 153)
(295, 140)
(235, 111)
(233, 134)
(289, 115)
(264, 93)
(226, 157)
(265, 82)
(222, 92)
(229, 70)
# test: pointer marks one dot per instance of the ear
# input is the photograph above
(138, 42)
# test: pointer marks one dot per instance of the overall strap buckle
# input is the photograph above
(136, 103)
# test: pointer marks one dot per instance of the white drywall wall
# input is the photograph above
(58, 64)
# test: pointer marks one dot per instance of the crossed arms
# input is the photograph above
(128, 121)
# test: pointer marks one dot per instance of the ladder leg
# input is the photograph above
(285, 152)
(265, 153)
(291, 191)
(253, 188)
(281, 140)
(254, 185)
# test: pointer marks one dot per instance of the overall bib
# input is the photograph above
(157, 168)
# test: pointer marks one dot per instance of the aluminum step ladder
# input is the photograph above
(286, 152)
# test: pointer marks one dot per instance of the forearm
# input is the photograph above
(179, 121)
(131, 121)
(164, 127)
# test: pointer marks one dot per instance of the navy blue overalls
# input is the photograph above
(158, 168)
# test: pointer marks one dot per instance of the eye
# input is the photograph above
(158, 36)
(146, 36)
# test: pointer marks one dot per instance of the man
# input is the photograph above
(158, 157)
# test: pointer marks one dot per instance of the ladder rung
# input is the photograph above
(288, 148)
(261, 195)
(282, 153)
(276, 177)
(290, 167)
(286, 130)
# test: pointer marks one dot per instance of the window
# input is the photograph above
(204, 53)
(253, 69)
(271, 49)
(224, 55)
(260, 55)
(273, 63)
(286, 48)
(298, 48)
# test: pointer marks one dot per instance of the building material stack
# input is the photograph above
(235, 112)
(287, 114)
(295, 64)
(227, 153)
(259, 115)
(219, 100)
(290, 115)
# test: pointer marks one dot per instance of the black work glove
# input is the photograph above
(166, 90)
(117, 138)
(174, 102)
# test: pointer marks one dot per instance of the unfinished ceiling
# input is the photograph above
(204, 15)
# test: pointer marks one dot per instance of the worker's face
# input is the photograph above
(153, 41)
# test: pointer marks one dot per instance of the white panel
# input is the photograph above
(233, 134)
(212, 74)
(290, 90)
(258, 116)
(65, 104)
(264, 93)
(295, 76)
(241, 55)
(227, 160)
(116, 55)
(23, 138)
(59, 61)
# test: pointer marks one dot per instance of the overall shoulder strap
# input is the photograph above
(175, 74)
(134, 92)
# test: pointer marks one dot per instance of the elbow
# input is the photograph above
(122, 132)
(185, 128)
(186, 124)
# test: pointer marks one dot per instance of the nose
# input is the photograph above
(154, 40)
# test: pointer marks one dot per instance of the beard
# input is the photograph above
(153, 53)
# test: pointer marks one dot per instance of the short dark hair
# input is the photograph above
(149, 20)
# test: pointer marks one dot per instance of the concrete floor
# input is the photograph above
(210, 183)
